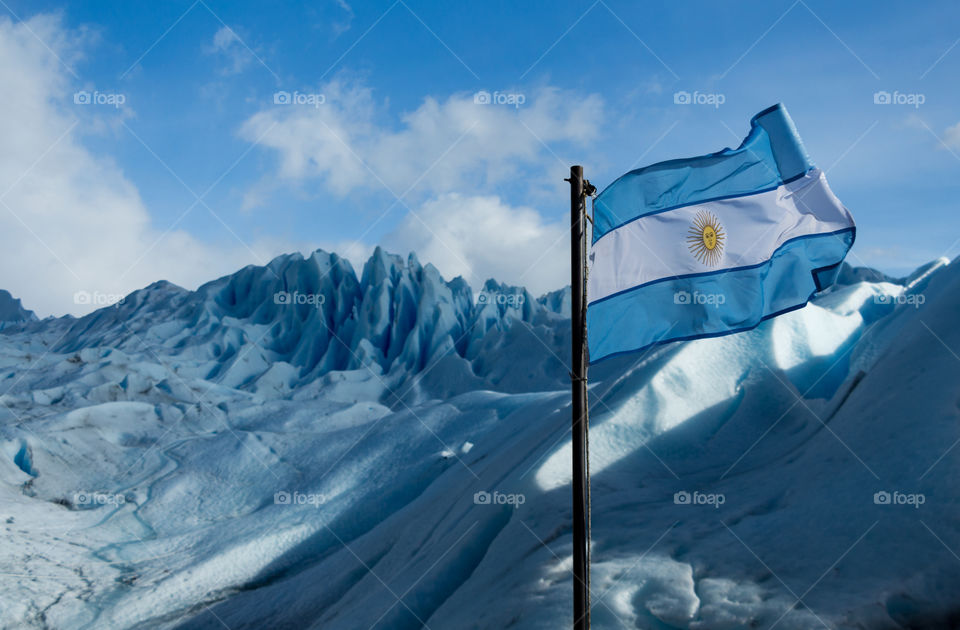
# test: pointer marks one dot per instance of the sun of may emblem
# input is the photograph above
(705, 239)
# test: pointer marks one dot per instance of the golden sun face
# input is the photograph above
(705, 239)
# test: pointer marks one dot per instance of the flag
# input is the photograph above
(712, 245)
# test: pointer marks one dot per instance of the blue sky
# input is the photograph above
(480, 185)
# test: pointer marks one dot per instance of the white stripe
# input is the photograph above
(754, 226)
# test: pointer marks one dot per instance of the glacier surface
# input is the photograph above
(301, 446)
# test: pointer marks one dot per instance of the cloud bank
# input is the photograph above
(445, 161)
(71, 223)
(76, 225)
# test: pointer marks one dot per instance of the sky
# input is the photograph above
(182, 140)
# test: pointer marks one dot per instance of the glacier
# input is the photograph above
(298, 445)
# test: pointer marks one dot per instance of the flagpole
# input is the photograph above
(578, 382)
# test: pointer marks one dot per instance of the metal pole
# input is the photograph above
(578, 376)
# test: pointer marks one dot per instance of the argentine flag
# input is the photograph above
(712, 245)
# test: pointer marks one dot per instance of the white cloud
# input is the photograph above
(71, 221)
(228, 45)
(455, 150)
(951, 137)
(480, 237)
(342, 26)
(443, 146)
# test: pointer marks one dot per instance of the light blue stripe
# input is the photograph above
(659, 312)
(771, 154)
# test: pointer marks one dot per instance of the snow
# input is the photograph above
(389, 450)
